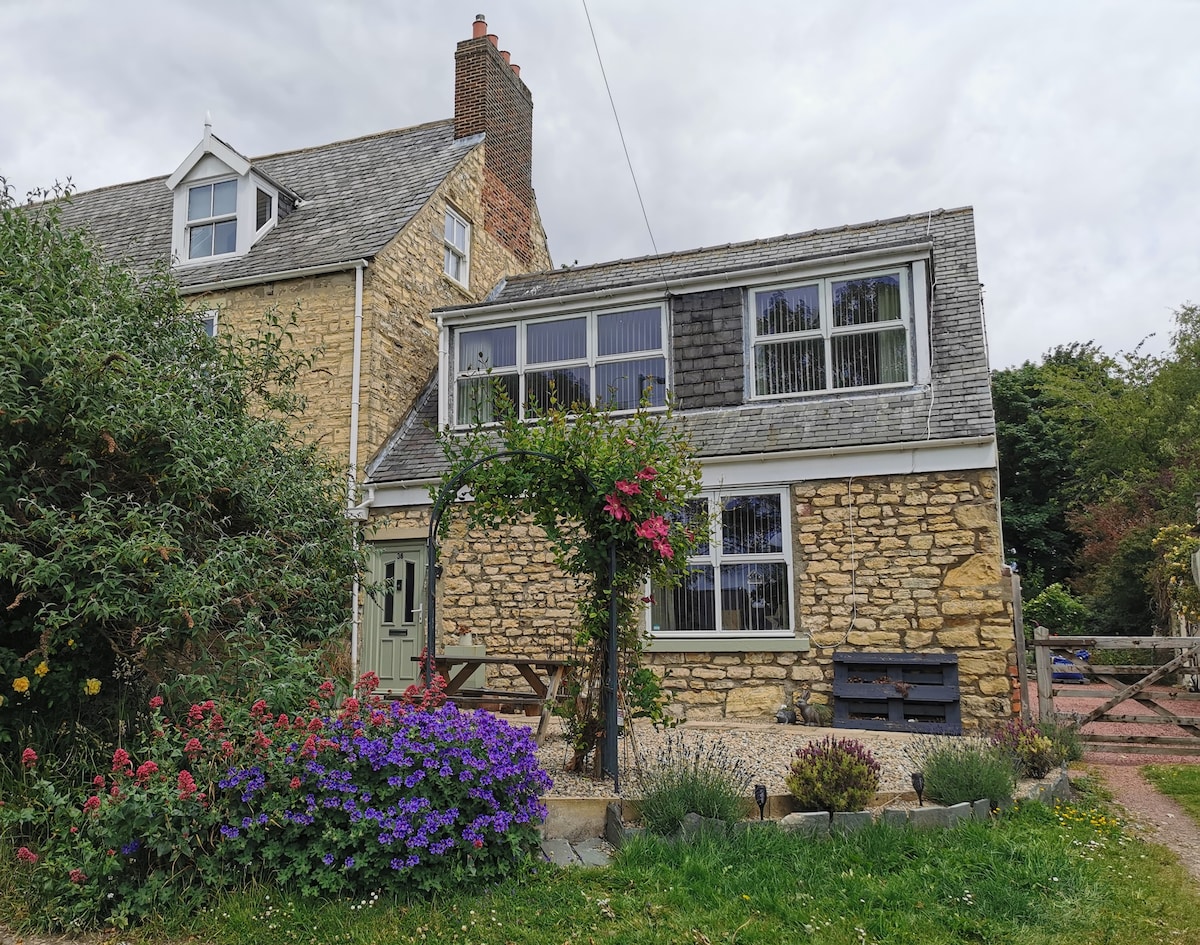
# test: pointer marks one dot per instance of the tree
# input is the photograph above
(159, 525)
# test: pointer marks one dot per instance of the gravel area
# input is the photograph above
(766, 749)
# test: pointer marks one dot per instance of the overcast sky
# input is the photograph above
(1073, 128)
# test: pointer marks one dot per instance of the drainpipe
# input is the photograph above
(353, 509)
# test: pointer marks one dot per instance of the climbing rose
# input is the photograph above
(91, 687)
(21, 684)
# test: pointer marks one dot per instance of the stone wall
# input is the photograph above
(905, 563)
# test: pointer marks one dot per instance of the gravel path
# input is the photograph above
(764, 749)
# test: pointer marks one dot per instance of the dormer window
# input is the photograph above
(264, 209)
(212, 219)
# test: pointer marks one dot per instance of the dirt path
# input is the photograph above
(1158, 818)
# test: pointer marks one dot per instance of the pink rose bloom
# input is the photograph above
(613, 506)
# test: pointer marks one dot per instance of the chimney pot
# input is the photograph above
(493, 39)
(506, 56)
(516, 69)
(479, 27)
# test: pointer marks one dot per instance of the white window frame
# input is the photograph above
(452, 251)
(912, 317)
(716, 557)
(208, 321)
(592, 360)
(213, 219)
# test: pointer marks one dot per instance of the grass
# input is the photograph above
(1039, 876)
(1181, 782)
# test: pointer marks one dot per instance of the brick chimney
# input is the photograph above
(490, 97)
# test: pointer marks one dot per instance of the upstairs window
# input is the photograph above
(833, 334)
(208, 321)
(612, 359)
(212, 219)
(740, 581)
(456, 247)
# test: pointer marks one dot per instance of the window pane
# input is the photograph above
(789, 367)
(755, 597)
(866, 301)
(487, 348)
(622, 383)
(224, 198)
(452, 264)
(565, 387)
(200, 202)
(785, 310)
(752, 524)
(200, 241)
(688, 607)
(263, 209)
(456, 232)
(564, 340)
(620, 332)
(870, 358)
(224, 237)
(475, 397)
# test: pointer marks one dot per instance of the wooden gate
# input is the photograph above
(1102, 689)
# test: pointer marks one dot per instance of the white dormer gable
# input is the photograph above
(223, 206)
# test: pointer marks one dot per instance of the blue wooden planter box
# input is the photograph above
(897, 692)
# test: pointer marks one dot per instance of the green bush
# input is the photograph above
(1068, 746)
(833, 775)
(693, 778)
(1057, 611)
(958, 769)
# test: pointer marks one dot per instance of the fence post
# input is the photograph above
(1019, 631)
(1045, 675)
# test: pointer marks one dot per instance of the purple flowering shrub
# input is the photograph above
(1034, 753)
(424, 798)
(342, 799)
(833, 774)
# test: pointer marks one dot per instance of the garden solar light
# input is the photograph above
(918, 782)
(760, 798)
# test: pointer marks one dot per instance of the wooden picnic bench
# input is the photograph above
(545, 677)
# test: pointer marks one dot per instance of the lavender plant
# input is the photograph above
(833, 775)
(691, 778)
(1034, 752)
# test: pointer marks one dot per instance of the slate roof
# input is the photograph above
(356, 196)
(957, 404)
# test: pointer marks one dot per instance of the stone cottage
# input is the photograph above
(835, 386)
(360, 238)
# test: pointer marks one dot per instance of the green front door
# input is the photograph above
(393, 616)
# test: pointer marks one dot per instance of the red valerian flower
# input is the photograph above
(26, 855)
(78, 876)
(259, 707)
(186, 785)
(294, 783)
(145, 771)
(121, 762)
(156, 702)
(28, 758)
(325, 690)
(91, 805)
(98, 780)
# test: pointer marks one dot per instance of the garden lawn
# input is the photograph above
(1180, 782)
(1040, 875)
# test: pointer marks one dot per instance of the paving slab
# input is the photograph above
(560, 852)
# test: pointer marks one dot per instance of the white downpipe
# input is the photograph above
(352, 474)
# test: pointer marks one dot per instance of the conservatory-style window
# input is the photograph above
(740, 581)
(212, 219)
(615, 359)
(832, 334)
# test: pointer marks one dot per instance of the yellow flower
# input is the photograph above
(42, 668)
(21, 684)
(91, 686)
(1, 700)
